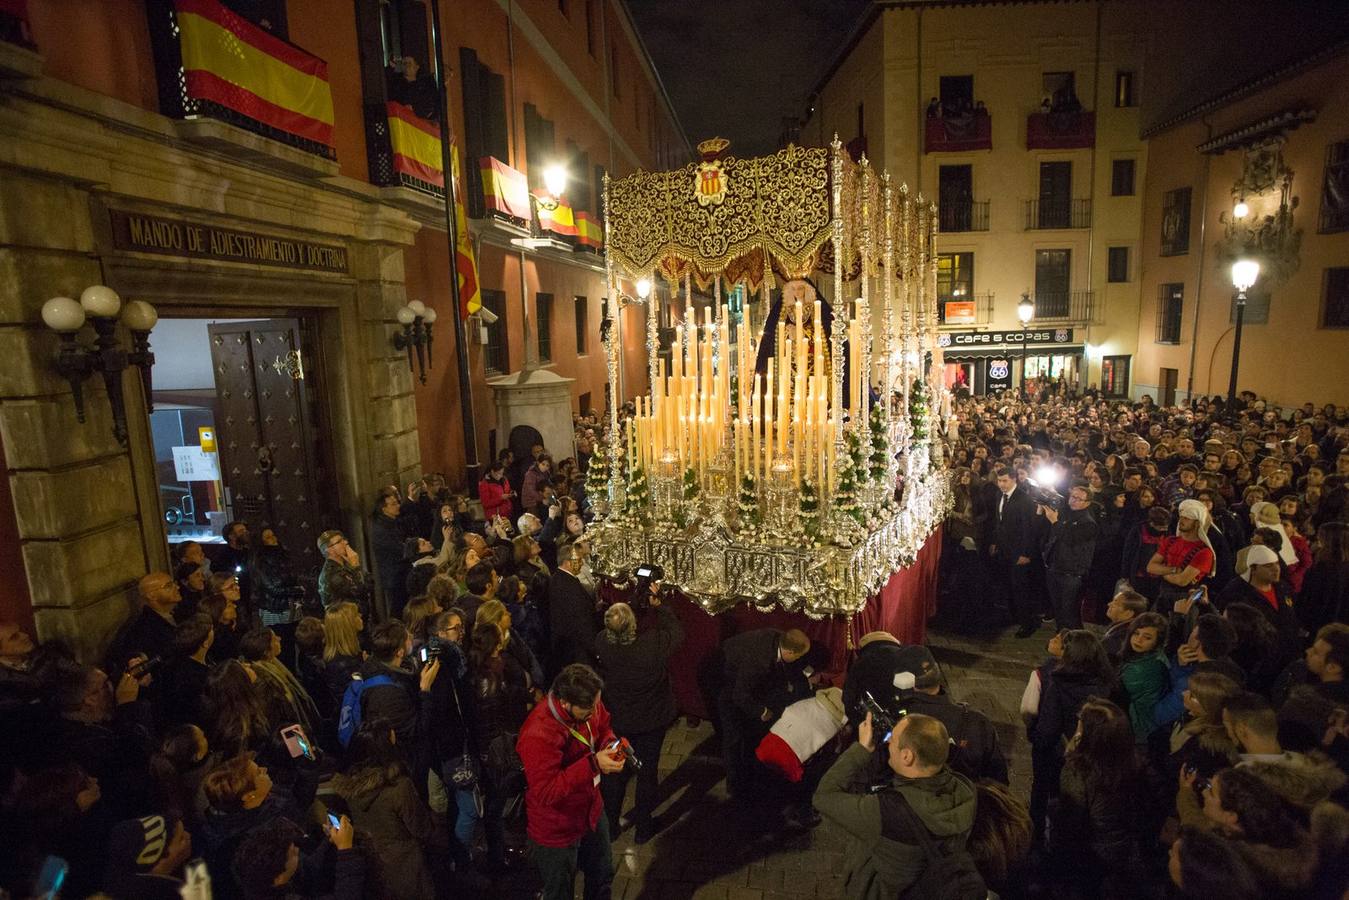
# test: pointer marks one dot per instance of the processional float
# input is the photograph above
(784, 454)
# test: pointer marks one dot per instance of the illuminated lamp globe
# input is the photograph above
(139, 316)
(1244, 273)
(643, 288)
(429, 317)
(63, 314)
(1025, 310)
(99, 300)
(417, 307)
(555, 179)
(406, 315)
(1241, 210)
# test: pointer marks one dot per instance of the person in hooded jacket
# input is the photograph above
(1082, 672)
(879, 657)
(884, 856)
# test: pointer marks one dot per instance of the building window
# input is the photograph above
(1176, 222)
(1060, 88)
(957, 94)
(582, 326)
(1053, 274)
(540, 145)
(1115, 376)
(1335, 189)
(498, 355)
(1122, 178)
(485, 132)
(543, 317)
(1056, 195)
(1170, 302)
(955, 276)
(1335, 302)
(1118, 268)
(1124, 89)
(591, 23)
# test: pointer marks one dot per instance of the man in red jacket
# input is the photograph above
(566, 746)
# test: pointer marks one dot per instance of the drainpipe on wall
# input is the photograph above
(471, 465)
(1199, 280)
(527, 323)
(1084, 376)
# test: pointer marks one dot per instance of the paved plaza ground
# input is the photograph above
(718, 851)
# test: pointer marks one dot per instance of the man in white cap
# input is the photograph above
(1186, 558)
(1260, 588)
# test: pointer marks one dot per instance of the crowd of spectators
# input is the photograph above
(1193, 565)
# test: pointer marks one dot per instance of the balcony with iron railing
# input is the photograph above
(955, 216)
(1064, 307)
(1054, 214)
(965, 310)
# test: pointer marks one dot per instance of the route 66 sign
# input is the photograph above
(709, 183)
(998, 369)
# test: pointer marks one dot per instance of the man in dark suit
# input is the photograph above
(572, 618)
(1012, 547)
(757, 684)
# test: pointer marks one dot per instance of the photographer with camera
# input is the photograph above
(1068, 552)
(895, 830)
(635, 666)
(974, 741)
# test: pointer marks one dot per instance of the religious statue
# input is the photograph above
(782, 311)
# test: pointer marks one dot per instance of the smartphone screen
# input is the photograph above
(334, 821)
(293, 735)
(424, 654)
(52, 877)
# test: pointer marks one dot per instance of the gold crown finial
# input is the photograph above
(713, 147)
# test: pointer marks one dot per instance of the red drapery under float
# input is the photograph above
(902, 608)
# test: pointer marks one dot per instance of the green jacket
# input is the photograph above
(885, 858)
(1146, 679)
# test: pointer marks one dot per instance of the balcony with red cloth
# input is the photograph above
(956, 134)
(1065, 130)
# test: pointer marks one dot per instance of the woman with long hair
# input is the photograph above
(236, 714)
(417, 614)
(221, 600)
(285, 697)
(1325, 588)
(1143, 673)
(1200, 741)
(178, 766)
(502, 701)
(385, 806)
(342, 654)
(1095, 833)
(1082, 672)
(494, 612)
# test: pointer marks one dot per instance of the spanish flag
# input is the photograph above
(470, 296)
(416, 145)
(232, 62)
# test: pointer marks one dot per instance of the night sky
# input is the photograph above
(734, 68)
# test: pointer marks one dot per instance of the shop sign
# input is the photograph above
(960, 312)
(178, 237)
(1012, 338)
(999, 375)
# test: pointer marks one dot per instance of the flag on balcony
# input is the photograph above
(465, 264)
(560, 219)
(589, 232)
(229, 61)
(416, 145)
(505, 190)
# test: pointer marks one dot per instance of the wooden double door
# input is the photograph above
(270, 435)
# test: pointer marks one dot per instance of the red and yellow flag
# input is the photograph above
(416, 145)
(470, 294)
(504, 189)
(230, 61)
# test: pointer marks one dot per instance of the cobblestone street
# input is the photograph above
(713, 850)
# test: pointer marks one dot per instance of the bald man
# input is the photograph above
(151, 632)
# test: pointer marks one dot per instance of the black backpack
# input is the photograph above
(950, 873)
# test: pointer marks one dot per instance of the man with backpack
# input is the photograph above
(907, 837)
(386, 690)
